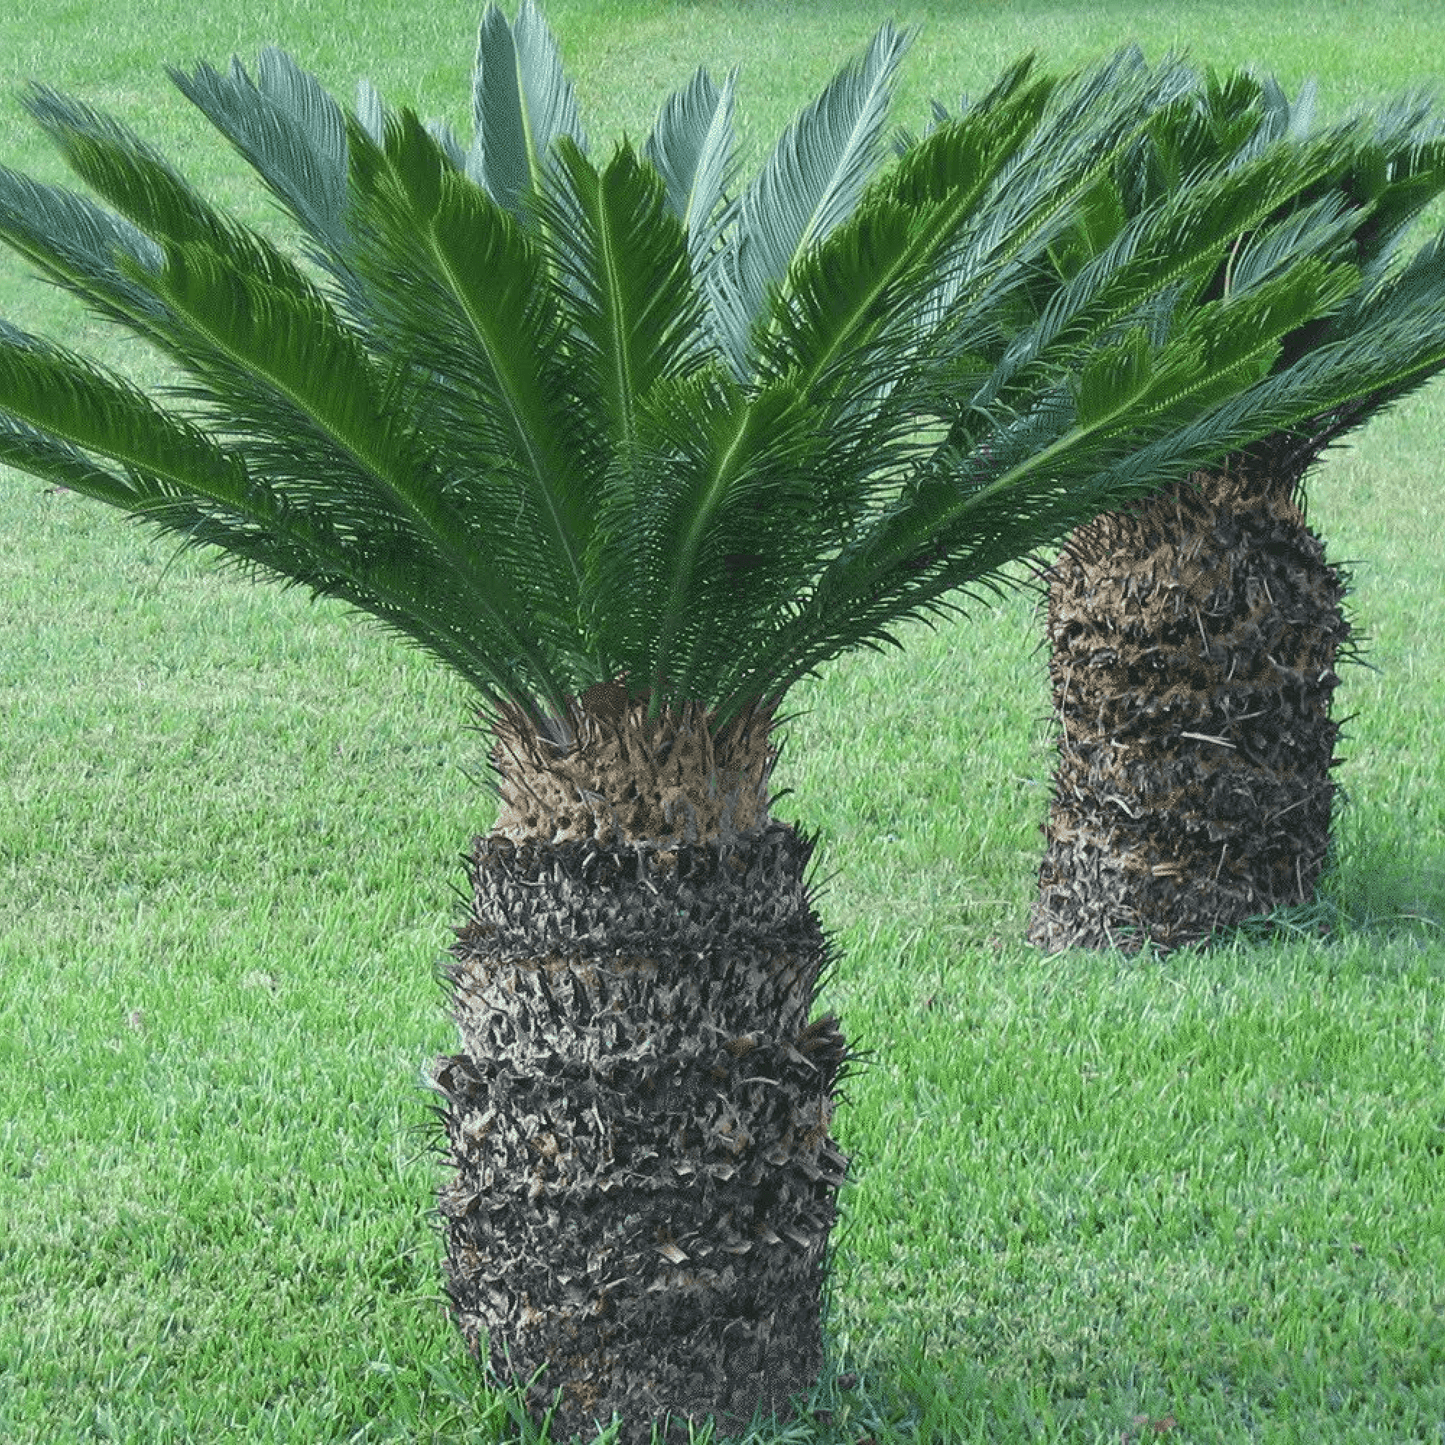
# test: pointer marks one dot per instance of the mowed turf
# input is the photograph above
(1094, 1199)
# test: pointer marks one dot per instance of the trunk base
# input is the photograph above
(1194, 641)
(637, 1115)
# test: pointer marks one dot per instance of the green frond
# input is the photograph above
(1415, 287)
(1091, 123)
(691, 147)
(447, 143)
(55, 407)
(522, 102)
(878, 268)
(729, 482)
(736, 505)
(292, 549)
(255, 309)
(110, 158)
(1326, 227)
(1001, 90)
(636, 312)
(28, 449)
(807, 187)
(1178, 242)
(1397, 182)
(1388, 341)
(1010, 81)
(1135, 392)
(1282, 118)
(290, 131)
(1220, 120)
(1240, 337)
(463, 291)
(68, 397)
(73, 242)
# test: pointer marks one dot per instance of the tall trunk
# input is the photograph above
(1193, 647)
(638, 1111)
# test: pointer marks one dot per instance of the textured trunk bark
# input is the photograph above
(1193, 648)
(637, 1115)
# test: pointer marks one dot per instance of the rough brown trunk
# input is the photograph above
(1193, 647)
(637, 1115)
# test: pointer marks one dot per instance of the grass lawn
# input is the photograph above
(1093, 1199)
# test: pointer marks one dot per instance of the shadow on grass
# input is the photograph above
(1368, 889)
(886, 1397)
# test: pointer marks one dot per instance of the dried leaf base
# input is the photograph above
(1193, 649)
(637, 1120)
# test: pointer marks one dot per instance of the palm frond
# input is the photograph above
(522, 102)
(1037, 199)
(1390, 340)
(1326, 226)
(848, 284)
(1170, 250)
(73, 242)
(291, 132)
(461, 290)
(807, 187)
(266, 345)
(60, 407)
(691, 148)
(637, 312)
(266, 319)
(707, 519)
(961, 519)
(66, 396)
(114, 161)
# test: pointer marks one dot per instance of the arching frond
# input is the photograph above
(1389, 341)
(74, 243)
(849, 284)
(267, 320)
(522, 102)
(293, 134)
(808, 186)
(691, 147)
(68, 397)
(174, 476)
(1177, 244)
(959, 520)
(635, 310)
(127, 172)
(462, 291)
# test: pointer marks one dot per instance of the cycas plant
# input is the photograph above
(1194, 636)
(632, 450)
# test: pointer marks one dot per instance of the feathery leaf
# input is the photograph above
(691, 147)
(808, 186)
(636, 311)
(290, 130)
(522, 102)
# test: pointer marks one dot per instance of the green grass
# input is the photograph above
(1094, 1199)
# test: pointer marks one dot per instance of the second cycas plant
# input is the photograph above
(632, 446)
(1194, 637)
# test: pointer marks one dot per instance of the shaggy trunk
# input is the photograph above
(638, 1112)
(1193, 648)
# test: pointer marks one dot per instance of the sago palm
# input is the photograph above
(1194, 636)
(633, 449)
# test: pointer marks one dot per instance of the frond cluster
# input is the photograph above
(560, 419)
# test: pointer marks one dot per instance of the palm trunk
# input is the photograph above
(638, 1112)
(1193, 648)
